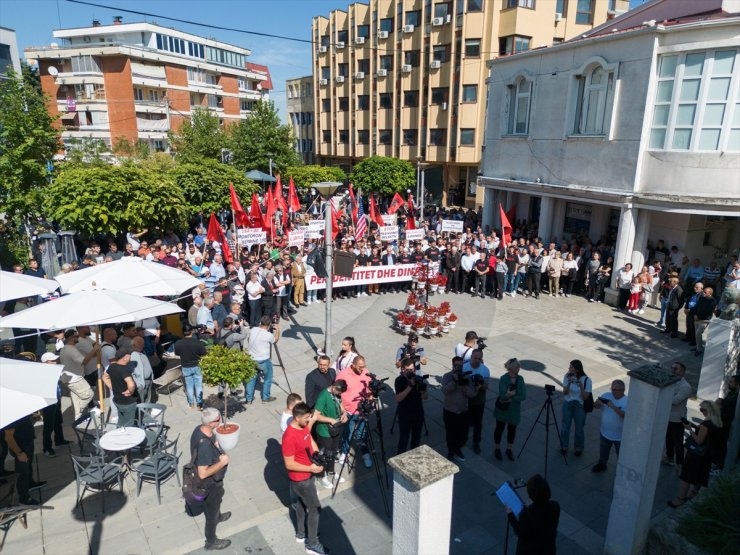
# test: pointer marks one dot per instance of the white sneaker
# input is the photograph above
(340, 479)
(341, 458)
(641, 311)
(367, 460)
(324, 483)
(513, 294)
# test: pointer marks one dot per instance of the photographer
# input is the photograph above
(297, 446)
(576, 387)
(465, 350)
(511, 392)
(330, 419)
(357, 379)
(258, 345)
(411, 390)
(457, 389)
(480, 374)
(411, 349)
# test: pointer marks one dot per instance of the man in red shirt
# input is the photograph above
(357, 379)
(297, 444)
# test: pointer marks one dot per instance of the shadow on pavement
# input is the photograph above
(274, 473)
(95, 509)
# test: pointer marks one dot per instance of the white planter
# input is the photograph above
(228, 441)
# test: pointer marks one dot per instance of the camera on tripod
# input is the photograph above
(322, 457)
(375, 386)
(481, 343)
(419, 383)
(549, 389)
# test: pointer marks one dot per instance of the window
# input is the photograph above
(440, 95)
(138, 94)
(585, 12)
(410, 137)
(470, 93)
(242, 83)
(693, 108)
(325, 72)
(520, 4)
(442, 9)
(411, 58)
(386, 62)
(153, 95)
(440, 53)
(385, 136)
(342, 36)
(363, 102)
(214, 101)
(386, 24)
(302, 118)
(363, 137)
(438, 137)
(326, 105)
(472, 48)
(561, 7)
(363, 31)
(84, 64)
(467, 137)
(513, 44)
(364, 66)
(326, 136)
(385, 100)
(309, 118)
(325, 42)
(411, 99)
(343, 70)
(475, 5)
(343, 103)
(246, 105)
(594, 90)
(413, 18)
(343, 136)
(519, 102)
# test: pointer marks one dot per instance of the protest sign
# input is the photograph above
(296, 238)
(414, 234)
(364, 275)
(389, 233)
(453, 226)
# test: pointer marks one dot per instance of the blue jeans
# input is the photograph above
(520, 279)
(349, 431)
(311, 295)
(510, 282)
(193, 385)
(663, 309)
(573, 411)
(605, 446)
(264, 367)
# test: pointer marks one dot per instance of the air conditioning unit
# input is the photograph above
(448, 18)
(323, 82)
(340, 78)
(340, 45)
(406, 68)
(443, 105)
(558, 16)
(360, 75)
(437, 21)
(382, 72)
(322, 49)
(408, 28)
(359, 40)
(435, 64)
(382, 34)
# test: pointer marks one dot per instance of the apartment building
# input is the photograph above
(137, 81)
(300, 106)
(407, 78)
(8, 52)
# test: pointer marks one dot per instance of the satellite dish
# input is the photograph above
(53, 71)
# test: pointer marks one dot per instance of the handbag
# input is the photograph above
(502, 405)
(192, 486)
(588, 402)
(695, 448)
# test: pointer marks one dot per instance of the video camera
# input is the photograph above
(460, 377)
(418, 382)
(322, 457)
(375, 386)
(481, 343)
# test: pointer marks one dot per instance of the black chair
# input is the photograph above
(97, 474)
(158, 467)
(150, 417)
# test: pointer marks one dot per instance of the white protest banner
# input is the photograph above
(414, 234)
(251, 236)
(296, 238)
(453, 226)
(389, 219)
(389, 233)
(364, 275)
(315, 229)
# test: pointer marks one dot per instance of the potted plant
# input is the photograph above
(232, 367)
(452, 320)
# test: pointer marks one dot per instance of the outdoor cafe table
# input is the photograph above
(122, 439)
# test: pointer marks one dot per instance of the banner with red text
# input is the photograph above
(365, 275)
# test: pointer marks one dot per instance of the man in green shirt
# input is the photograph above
(330, 418)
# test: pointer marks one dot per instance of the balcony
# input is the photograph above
(144, 124)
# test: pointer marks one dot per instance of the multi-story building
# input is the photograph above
(137, 81)
(300, 115)
(407, 78)
(630, 134)
(8, 52)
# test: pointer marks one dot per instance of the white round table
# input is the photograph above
(122, 439)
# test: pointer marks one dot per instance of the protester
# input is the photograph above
(674, 451)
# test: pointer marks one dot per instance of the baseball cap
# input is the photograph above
(49, 357)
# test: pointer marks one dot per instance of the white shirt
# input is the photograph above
(574, 392)
(468, 261)
(624, 279)
(258, 344)
(254, 290)
(285, 419)
(462, 350)
(611, 422)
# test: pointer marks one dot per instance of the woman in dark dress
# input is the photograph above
(537, 524)
(710, 450)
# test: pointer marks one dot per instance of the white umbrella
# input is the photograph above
(26, 387)
(18, 286)
(130, 275)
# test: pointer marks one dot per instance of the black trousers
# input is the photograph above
(52, 425)
(498, 290)
(624, 297)
(533, 283)
(671, 324)
(255, 312)
(213, 509)
(674, 442)
(480, 283)
(475, 413)
(690, 330)
(499, 432)
(467, 281)
(409, 426)
(329, 444)
(456, 429)
(453, 280)
(24, 470)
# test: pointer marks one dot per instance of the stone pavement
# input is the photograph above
(544, 334)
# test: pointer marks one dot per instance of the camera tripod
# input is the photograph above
(548, 409)
(363, 435)
(395, 419)
(282, 365)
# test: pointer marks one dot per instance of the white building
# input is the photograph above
(8, 52)
(630, 132)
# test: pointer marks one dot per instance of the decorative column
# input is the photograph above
(422, 502)
(544, 229)
(643, 437)
(489, 207)
(642, 232)
(624, 247)
(558, 220)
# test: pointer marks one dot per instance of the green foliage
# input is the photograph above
(254, 139)
(130, 150)
(230, 366)
(305, 176)
(110, 199)
(87, 152)
(13, 246)
(204, 184)
(379, 174)
(202, 137)
(27, 141)
(712, 522)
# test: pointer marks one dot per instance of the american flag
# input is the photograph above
(361, 227)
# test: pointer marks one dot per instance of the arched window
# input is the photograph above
(520, 94)
(594, 97)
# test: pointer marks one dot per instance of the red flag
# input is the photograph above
(410, 220)
(270, 208)
(375, 213)
(277, 196)
(240, 217)
(334, 222)
(511, 214)
(354, 204)
(255, 213)
(215, 233)
(293, 202)
(396, 203)
(505, 226)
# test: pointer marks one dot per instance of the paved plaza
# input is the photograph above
(543, 334)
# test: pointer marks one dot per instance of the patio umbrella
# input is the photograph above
(26, 387)
(257, 175)
(18, 286)
(129, 275)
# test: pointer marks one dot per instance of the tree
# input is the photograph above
(379, 174)
(305, 176)
(204, 184)
(202, 137)
(111, 199)
(260, 137)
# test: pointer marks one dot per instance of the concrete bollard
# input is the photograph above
(422, 502)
